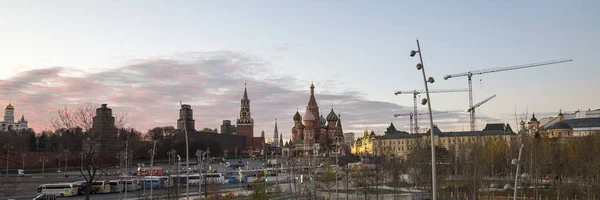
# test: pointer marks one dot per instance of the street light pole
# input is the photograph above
(43, 160)
(23, 162)
(518, 162)
(66, 161)
(187, 156)
(428, 101)
(7, 153)
(152, 169)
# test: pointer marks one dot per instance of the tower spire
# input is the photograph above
(245, 92)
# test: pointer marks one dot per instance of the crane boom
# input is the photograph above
(499, 69)
(470, 74)
(417, 92)
(430, 91)
(481, 103)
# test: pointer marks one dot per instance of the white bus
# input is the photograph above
(131, 185)
(59, 189)
(215, 178)
(116, 186)
(101, 187)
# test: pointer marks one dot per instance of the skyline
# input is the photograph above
(356, 53)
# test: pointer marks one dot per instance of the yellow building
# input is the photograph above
(364, 144)
(400, 143)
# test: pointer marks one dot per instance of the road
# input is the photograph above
(133, 195)
(26, 186)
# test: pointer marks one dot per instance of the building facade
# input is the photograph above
(227, 128)
(401, 143)
(315, 134)
(9, 124)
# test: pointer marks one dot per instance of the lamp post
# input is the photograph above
(200, 154)
(23, 161)
(66, 152)
(518, 163)
(43, 160)
(126, 167)
(187, 156)
(428, 102)
(178, 173)
(151, 151)
(7, 153)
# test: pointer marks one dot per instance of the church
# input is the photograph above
(9, 124)
(317, 135)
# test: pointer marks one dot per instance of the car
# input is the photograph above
(45, 197)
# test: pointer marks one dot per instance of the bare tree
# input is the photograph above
(99, 143)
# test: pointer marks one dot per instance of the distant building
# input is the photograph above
(401, 143)
(276, 136)
(580, 123)
(186, 114)
(230, 136)
(103, 141)
(9, 124)
(227, 128)
(349, 138)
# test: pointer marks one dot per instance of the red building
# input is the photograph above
(245, 125)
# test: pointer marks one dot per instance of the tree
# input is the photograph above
(100, 140)
(327, 179)
(31, 141)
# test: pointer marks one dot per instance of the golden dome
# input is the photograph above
(9, 107)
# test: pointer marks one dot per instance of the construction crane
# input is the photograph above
(472, 109)
(491, 70)
(417, 92)
(411, 116)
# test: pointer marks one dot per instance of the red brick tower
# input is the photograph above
(245, 124)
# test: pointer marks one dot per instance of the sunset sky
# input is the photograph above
(144, 57)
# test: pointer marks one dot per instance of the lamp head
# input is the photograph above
(446, 77)
(515, 161)
(413, 53)
(419, 66)
(430, 80)
(424, 101)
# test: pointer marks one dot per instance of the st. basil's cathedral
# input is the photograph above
(315, 134)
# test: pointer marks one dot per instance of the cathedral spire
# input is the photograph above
(312, 102)
(276, 126)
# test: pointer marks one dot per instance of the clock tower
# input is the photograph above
(245, 123)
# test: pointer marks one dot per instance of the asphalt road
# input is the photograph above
(52, 177)
(132, 195)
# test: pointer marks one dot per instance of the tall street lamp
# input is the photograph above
(518, 163)
(43, 160)
(428, 102)
(8, 147)
(23, 162)
(187, 156)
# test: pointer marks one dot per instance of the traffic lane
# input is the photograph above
(138, 193)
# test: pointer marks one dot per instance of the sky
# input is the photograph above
(144, 57)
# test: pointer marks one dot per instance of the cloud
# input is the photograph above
(150, 90)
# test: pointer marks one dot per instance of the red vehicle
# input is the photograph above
(146, 171)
